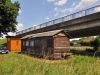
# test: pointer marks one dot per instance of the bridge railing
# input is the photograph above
(49, 23)
(43, 25)
(63, 19)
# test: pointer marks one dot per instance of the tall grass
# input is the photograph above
(18, 64)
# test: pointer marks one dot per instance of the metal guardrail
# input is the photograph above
(63, 19)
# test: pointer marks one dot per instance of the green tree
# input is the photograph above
(71, 43)
(81, 39)
(8, 16)
(96, 43)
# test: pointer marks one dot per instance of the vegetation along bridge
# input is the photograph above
(80, 24)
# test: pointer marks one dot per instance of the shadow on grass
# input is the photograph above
(35, 55)
(41, 56)
(86, 53)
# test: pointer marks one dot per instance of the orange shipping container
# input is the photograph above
(14, 43)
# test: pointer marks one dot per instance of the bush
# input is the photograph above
(71, 44)
(96, 44)
(85, 43)
(89, 50)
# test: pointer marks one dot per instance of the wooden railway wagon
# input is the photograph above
(53, 44)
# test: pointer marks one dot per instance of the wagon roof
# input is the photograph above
(43, 34)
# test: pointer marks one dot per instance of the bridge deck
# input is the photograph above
(83, 23)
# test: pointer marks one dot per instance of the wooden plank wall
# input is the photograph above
(61, 46)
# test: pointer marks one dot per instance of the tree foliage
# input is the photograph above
(96, 43)
(8, 16)
(81, 39)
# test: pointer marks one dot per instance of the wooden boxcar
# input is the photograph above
(54, 44)
(14, 43)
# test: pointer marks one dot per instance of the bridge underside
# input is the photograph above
(94, 31)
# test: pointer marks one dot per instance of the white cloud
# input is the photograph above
(85, 3)
(11, 34)
(50, 0)
(98, 3)
(80, 5)
(20, 26)
(55, 9)
(97, 9)
(47, 18)
(20, 11)
(67, 9)
(63, 10)
(56, 14)
(63, 16)
(35, 25)
(60, 2)
(73, 4)
(58, 9)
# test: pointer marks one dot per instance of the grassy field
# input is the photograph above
(80, 47)
(3, 41)
(18, 64)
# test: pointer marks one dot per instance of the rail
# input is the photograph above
(63, 19)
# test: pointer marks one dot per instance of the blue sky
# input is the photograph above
(35, 12)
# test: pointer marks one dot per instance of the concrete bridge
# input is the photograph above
(80, 24)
